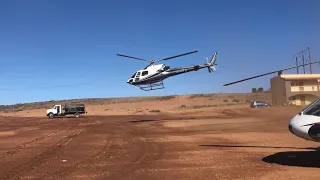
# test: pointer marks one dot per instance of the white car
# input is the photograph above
(256, 104)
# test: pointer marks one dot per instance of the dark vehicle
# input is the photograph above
(68, 109)
(256, 104)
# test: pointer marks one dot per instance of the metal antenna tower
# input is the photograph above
(301, 58)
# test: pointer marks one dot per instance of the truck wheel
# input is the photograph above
(50, 115)
(77, 115)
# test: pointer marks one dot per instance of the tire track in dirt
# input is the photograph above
(36, 140)
(28, 144)
(17, 171)
(65, 171)
(26, 122)
(41, 158)
(147, 153)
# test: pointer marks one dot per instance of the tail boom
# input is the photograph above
(210, 65)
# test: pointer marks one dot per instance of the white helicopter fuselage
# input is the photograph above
(306, 124)
(158, 72)
(148, 75)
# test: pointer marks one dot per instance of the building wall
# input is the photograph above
(304, 85)
(301, 99)
(278, 90)
(294, 89)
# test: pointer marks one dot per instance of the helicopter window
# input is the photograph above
(144, 73)
(313, 108)
(137, 74)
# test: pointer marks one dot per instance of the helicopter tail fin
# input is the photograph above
(211, 65)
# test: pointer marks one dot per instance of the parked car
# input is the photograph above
(256, 104)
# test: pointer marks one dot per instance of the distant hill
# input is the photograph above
(226, 97)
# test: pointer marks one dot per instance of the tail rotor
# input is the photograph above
(211, 65)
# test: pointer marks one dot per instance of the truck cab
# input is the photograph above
(55, 110)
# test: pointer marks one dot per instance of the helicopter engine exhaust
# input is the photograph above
(196, 68)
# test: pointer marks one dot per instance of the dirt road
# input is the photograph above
(225, 144)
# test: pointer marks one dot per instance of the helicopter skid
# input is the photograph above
(152, 86)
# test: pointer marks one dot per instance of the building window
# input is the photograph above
(292, 84)
(293, 98)
(300, 83)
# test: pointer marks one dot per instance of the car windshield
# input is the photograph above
(313, 108)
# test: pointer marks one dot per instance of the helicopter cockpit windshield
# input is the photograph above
(313, 108)
(133, 75)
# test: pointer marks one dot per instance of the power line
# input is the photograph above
(48, 87)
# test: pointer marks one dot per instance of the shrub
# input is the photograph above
(155, 110)
(235, 100)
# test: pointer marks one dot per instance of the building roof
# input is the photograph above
(300, 76)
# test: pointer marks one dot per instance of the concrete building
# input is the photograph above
(296, 89)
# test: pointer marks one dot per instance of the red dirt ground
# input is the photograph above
(234, 143)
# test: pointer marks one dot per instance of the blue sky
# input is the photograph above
(55, 43)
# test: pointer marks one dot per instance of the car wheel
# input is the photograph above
(77, 115)
(50, 115)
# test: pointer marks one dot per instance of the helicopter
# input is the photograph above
(306, 123)
(151, 77)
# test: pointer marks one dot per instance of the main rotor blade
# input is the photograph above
(269, 73)
(132, 57)
(178, 56)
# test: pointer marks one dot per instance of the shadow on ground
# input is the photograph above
(67, 117)
(295, 158)
(244, 146)
(310, 158)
